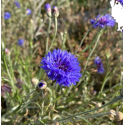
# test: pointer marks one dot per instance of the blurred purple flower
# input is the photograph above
(7, 15)
(98, 63)
(121, 1)
(17, 4)
(19, 83)
(105, 20)
(28, 11)
(5, 88)
(55, 11)
(47, 7)
(61, 66)
(7, 51)
(20, 42)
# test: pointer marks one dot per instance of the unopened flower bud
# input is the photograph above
(119, 116)
(55, 11)
(48, 9)
(41, 85)
(34, 81)
(111, 115)
(7, 51)
(99, 105)
(5, 88)
(19, 83)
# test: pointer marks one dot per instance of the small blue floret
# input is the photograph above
(20, 42)
(98, 63)
(28, 11)
(17, 4)
(47, 6)
(7, 15)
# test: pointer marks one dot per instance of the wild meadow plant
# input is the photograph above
(48, 76)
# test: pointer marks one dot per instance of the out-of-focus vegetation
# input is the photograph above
(54, 104)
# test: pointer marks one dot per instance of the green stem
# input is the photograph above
(48, 34)
(76, 115)
(104, 82)
(11, 80)
(54, 34)
(92, 50)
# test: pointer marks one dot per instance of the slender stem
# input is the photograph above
(92, 50)
(48, 34)
(8, 72)
(110, 102)
(54, 34)
(90, 29)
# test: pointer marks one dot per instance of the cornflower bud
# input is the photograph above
(112, 114)
(34, 81)
(48, 9)
(7, 51)
(20, 42)
(5, 88)
(41, 85)
(119, 116)
(28, 11)
(98, 105)
(7, 15)
(55, 11)
(17, 4)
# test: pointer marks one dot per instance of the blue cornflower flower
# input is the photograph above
(47, 7)
(20, 42)
(28, 11)
(62, 67)
(17, 4)
(7, 15)
(98, 63)
(121, 1)
(105, 20)
(55, 11)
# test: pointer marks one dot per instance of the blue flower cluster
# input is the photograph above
(7, 15)
(98, 63)
(105, 20)
(62, 67)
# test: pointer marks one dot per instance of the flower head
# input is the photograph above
(105, 20)
(62, 67)
(19, 83)
(55, 11)
(7, 51)
(98, 63)
(28, 11)
(17, 4)
(20, 42)
(7, 15)
(41, 85)
(121, 2)
(5, 88)
(48, 9)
